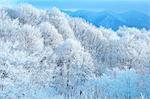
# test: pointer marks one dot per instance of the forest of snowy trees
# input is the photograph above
(46, 54)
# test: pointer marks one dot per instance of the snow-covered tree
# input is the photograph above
(50, 34)
(31, 38)
(119, 84)
(59, 20)
(74, 67)
(28, 14)
(46, 53)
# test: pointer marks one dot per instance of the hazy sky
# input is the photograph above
(97, 5)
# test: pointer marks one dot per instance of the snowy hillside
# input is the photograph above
(46, 54)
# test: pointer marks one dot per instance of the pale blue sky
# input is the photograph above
(112, 5)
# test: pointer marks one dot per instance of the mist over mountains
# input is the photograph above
(47, 54)
(113, 20)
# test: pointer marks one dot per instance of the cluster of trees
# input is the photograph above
(46, 53)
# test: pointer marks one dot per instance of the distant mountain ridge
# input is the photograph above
(113, 20)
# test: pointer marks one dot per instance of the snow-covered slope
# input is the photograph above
(47, 53)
